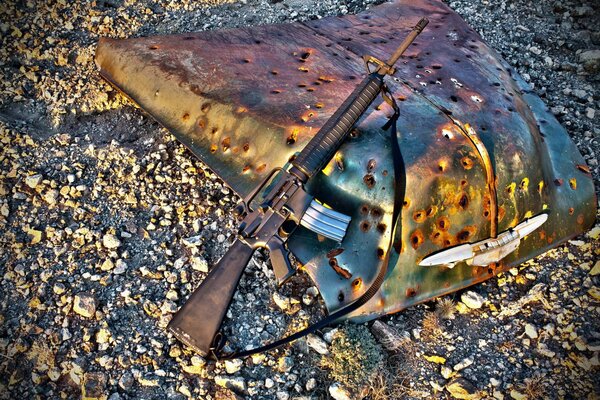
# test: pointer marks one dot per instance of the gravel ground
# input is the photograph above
(107, 224)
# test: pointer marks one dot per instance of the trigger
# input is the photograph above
(280, 259)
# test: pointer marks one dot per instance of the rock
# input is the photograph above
(85, 305)
(281, 395)
(234, 383)
(269, 383)
(126, 381)
(285, 364)
(51, 196)
(472, 299)
(590, 113)
(93, 385)
(590, 60)
(595, 269)
(110, 241)
(446, 372)
(460, 388)
(103, 335)
(199, 264)
(107, 265)
(328, 336)
(515, 394)
(317, 344)
(282, 302)
(33, 180)
(338, 392)
(120, 268)
(387, 336)
(463, 364)
(531, 331)
(309, 295)
(233, 366)
(311, 384)
(580, 94)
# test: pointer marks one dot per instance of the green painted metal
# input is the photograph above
(480, 151)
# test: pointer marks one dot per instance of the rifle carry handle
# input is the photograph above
(204, 311)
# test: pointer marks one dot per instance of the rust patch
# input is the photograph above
(364, 209)
(365, 226)
(380, 253)
(571, 211)
(371, 165)
(344, 273)
(463, 201)
(558, 182)
(335, 252)
(411, 292)
(580, 219)
(466, 162)
(583, 168)
(573, 183)
(376, 212)
(381, 228)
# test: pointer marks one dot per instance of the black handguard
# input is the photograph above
(285, 206)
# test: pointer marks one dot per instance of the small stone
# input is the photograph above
(33, 180)
(317, 344)
(103, 336)
(446, 372)
(328, 336)
(51, 196)
(531, 331)
(93, 385)
(281, 395)
(460, 388)
(107, 265)
(269, 383)
(126, 381)
(285, 364)
(535, 50)
(596, 269)
(59, 288)
(110, 241)
(495, 382)
(199, 264)
(517, 395)
(590, 60)
(282, 302)
(54, 374)
(233, 383)
(472, 299)
(590, 113)
(84, 305)
(120, 268)
(311, 384)
(233, 366)
(463, 364)
(338, 392)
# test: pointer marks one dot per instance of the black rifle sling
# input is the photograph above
(219, 341)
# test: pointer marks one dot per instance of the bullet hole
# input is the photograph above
(369, 180)
(364, 209)
(354, 133)
(486, 213)
(246, 61)
(291, 139)
(463, 201)
(443, 223)
(276, 91)
(465, 234)
(226, 144)
(447, 242)
(571, 211)
(303, 69)
(325, 79)
(558, 182)
(153, 47)
(202, 123)
(261, 168)
(573, 183)
(301, 85)
(310, 89)
(246, 169)
(246, 147)
(274, 72)
(406, 203)
(380, 253)
(381, 227)
(411, 292)
(510, 189)
(466, 162)
(185, 117)
(319, 105)
(257, 42)
(371, 165)
(384, 172)
(454, 98)
(524, 185)
(365, 226)
(213, 148)
(419, 216)
(442, 165)
(401, 98)
(332, 261)
(357, 283)
(334, 252)
(463, 183)
(305, 55)
(214, 130)
(436, 66)
(431, 211)
(341, 297)
(339, 162)
(416, 239)
(376, 212)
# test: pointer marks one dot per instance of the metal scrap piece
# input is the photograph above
(480, 151)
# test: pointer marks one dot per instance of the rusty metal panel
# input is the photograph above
(480, 151)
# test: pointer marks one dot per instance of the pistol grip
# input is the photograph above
(280, 259)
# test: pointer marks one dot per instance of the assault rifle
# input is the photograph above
(285, 206)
